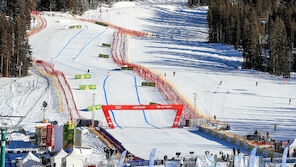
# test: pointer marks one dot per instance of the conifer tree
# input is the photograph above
(279, 52)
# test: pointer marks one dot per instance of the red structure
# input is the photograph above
(49, 135)
(106, 109)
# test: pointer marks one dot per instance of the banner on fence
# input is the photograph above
(97, 107)
(82, 76)
(102, 24)
(75, 26)
(87, 87)
(148, 84)
(127, 68)
(103, 56)
(106, 45)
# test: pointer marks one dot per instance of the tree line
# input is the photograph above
(15, 52)
(73, 6)
(265, 31)
(15, 20)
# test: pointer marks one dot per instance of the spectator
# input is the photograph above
(294, 153)
(274, 127)
(7, 141)
(182, 162)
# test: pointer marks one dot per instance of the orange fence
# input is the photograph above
(41, 21)
(49, 68)
(118, 28)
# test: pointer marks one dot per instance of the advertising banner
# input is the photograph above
(103, 56)
(82, 76)
(49, 135)
(87, 87)
(97, 107)
(106, 45)
(148, 84)
(69, 136)
(75, 26)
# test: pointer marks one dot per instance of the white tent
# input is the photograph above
(31, 160)
(292, 147)
(74, 159)
(57, 159)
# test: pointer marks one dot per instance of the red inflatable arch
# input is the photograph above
(106, 109)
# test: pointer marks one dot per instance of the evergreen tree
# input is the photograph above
(251, 43)
(22, 48)
(279, 52)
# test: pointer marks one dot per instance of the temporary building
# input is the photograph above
(74, 159)
(58, 137)
(57, 159)
(31, 160)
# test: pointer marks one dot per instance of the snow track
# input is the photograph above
(106, 98)
(141, 104)
(121, 88)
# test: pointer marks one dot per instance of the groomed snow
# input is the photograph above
(84, 45)
(181, 48)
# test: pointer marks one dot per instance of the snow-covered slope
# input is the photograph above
(182, 48)
(75, 51)
(200, 67)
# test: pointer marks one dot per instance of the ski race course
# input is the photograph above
(75, 51)
(208, 76)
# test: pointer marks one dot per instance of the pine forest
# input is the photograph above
(264, 30)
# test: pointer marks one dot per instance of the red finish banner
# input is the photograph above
(142, 107)
(106, 109)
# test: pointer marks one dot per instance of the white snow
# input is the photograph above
(182, 48)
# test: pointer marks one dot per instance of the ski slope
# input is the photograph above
(180, 48)
(75, 51)
(200, 67)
